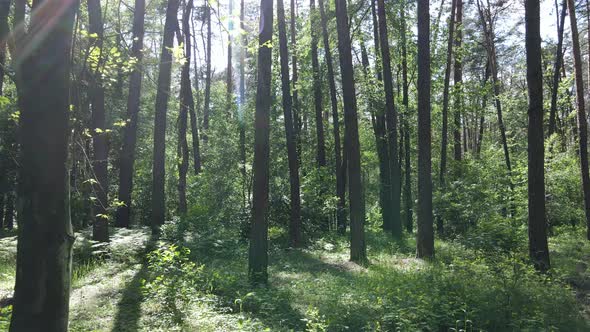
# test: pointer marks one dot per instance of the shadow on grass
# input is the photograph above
(129, 307)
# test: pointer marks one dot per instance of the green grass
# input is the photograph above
(318, 289)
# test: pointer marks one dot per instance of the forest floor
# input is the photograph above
(116, 287)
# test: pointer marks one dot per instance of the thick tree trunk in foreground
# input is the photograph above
(340, 175)
(295, 222)
(127, 156)
(258, 252)
(163, 93)
(358, 251)
(538, 249)
(582, 124)
(44, 250)
(425, 236)
(391, 117)
(100, 227)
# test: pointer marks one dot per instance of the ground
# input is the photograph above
(203, 287)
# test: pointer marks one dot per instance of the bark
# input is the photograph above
(340, 180)
(187, 104)
(295, 221)
(407, 193)
(127, 156)
(317, 90)
(355, 191)
(445, 110)
(9, 210)
(380, 130)
(484, 103)
(165, 68)
(242, 103)
(391, 120)
(556, 68)
(100, 226)
(425, 236)
(258, 251)
(207, 102)
(458, 81)
(538, 248)
(44, 249)
(229, 79)
(297, 122)
(582, 124)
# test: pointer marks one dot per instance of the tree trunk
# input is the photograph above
(187, 105)
(425, 236)
(405, 102)
(556, 68)
(4, 31)
(445, 110)
(127, 156)
(358, 252)
(317, 90)
(340, 188)
(159, 169)
(295, 222)
(484, 104)
(297, 122)
(100, 227)
(582, 124)
(206, 106)
(9, 210)
(44, 250)
(538, 249)
(391, 119)
(458, 81)
(241, 105)
(258, 252)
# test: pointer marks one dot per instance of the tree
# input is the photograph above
(127, 155)
(207, 105)
(339, 169)
(556, 69)
(582, 124)
(297, 123)
(458, 80)
(295, 221)
(356, 203)
(45, 240)
(187, 104)
(425, 236)
(538, 249)
(407, 191)
(100, 227)
(317, 90)
(258, 252)
(391, 118)
(4, 31)
(165, 69)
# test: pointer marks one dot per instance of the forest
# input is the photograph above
(300, 165)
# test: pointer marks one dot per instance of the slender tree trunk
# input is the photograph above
(317, 90)
(295, 222)
(207, 105)
(445, 110)
(127, 156)
(340, 188)
(258, 252)
(187, 103)
(229, 79)
(380, 129)
(538, 248)
(425, 236)
(297, 122)
(582, 124)
(556, 68)
(484, 104)
(391, 119)
(242, 103)
(458, 80)
(358, 252)
(405, 102)
(4, 31)
(44, 249)
(100, 227)
(164, 77)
